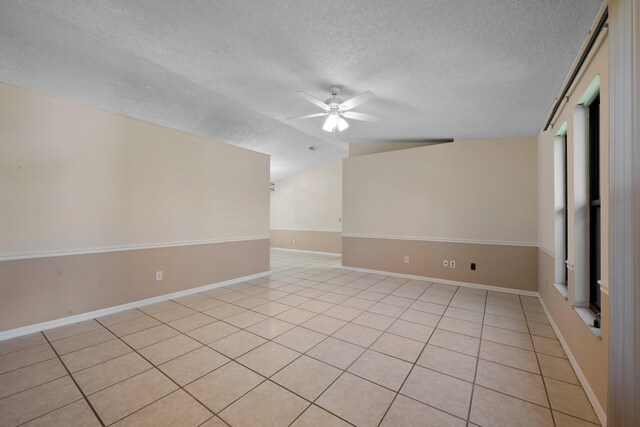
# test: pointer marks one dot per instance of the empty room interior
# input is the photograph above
(320, 213)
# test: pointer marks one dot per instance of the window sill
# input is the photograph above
(588, 317)
(562, 289)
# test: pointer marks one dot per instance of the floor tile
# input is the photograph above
(25, 357)
(158, 307)
(411, 330)
(176, 409)
(271, 308)
(506, 323)
(99, 353)
(193, 365)
(33, 375)
(448, 362)
(237, 344)
(295, 315)
(460, 326)
(169, 349)
(504, 336)
(429, 307)
(316, 306)
(336, 352)
(373, 320)
(66, 331)
(191, 322)
(77, 413)
(421, 317)
(397, 346)
(251, 302)
(510, 356)
(315, 416)
(357, 303)
(514, 382)
(343, 313)
(381, 369)
(358, 401)
(293, 300)
(266, 405)
(245, 319)
(557, 368)
(122, 316)
(539, 318)
(332, 297)
(405, 412)
(268, 358)
(134, 325)
(221, 387)
(307, 377)
(128, 396)
(462, 314)
(20, 343)
(387, 310)
(564, 420)
(324, 324)
(37, 401)
(542, 330)
(490, 408)
(83, 340)
(438, 390)
(271, 328)
(548, 346)
(173, 314)
(357, 334)
(212, 332)
(570, 399)
(223, 311)
(214, 422)
(150, 336)
(101, 376)
(456, 342)
(300, 339)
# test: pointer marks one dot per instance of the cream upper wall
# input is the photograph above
(479, 190)
(74, 177)
(311, 200)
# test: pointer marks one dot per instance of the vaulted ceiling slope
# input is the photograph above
(230, 69)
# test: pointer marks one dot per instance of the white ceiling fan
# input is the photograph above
(338, 110)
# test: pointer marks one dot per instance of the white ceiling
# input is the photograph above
(230, 69)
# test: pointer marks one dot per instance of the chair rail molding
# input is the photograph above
(624, 237)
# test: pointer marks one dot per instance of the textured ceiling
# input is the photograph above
(230, 69)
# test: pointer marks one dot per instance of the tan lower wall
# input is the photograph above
(496, 265)
(320, 241)
(41, 289)
(591, 352)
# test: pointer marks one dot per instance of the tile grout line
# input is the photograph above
(475, 372)
(84, 396)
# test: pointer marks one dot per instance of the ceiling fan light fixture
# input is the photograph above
(331, 122)
(342, 124)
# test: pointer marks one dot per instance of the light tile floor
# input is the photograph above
(311, 345)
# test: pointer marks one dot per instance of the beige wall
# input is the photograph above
(373, 147)
(318, 241)
(74, 179)
(468, 190)
(41, 289)
(591, 352)
(470, 201)
(307, 208)
(425, 259)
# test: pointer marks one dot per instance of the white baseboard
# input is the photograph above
(307, 252)
(602, 416)
(25, 330)
(446, 282)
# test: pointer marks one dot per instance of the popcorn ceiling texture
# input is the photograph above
(229, 70)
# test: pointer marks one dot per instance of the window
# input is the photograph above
(560, 205)
(594, 205)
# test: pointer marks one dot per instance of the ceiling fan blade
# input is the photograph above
(357, 100)
(314, 100)
(360, 116)
(308, 116)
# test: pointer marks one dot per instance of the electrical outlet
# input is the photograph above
(158, 276)
(445, 263)
(452, 264)
(473, 265)
(406, 259)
